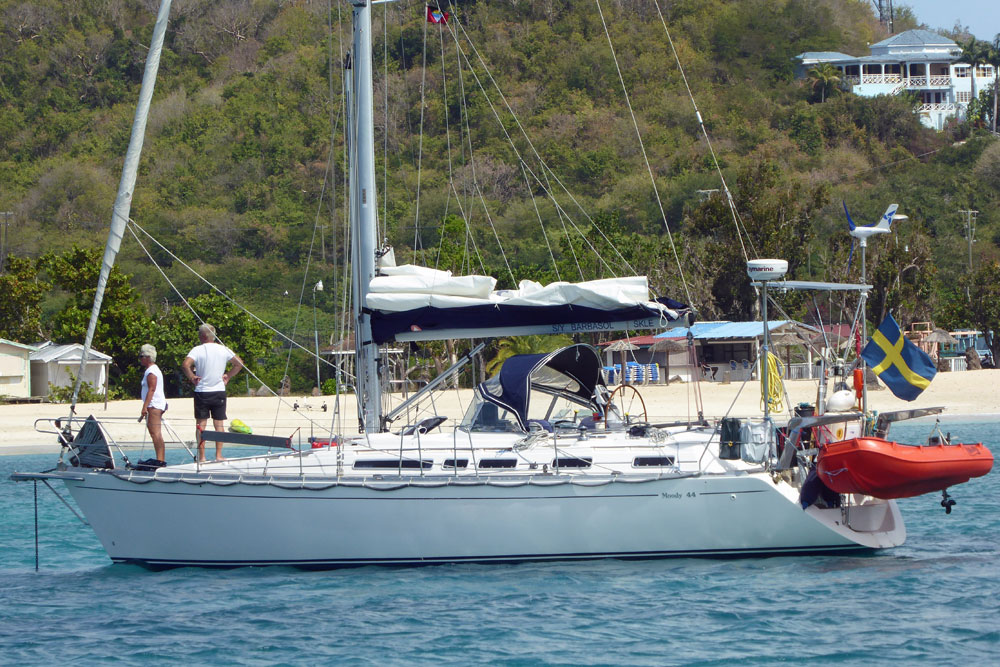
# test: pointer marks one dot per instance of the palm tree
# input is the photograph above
(975, 53)
(823, 76)
(509, 347)
(994, 59)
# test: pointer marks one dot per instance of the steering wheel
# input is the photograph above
(630, 400)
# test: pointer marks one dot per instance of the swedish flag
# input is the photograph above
(901, 365)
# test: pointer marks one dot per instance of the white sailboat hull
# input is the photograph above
(197, 522)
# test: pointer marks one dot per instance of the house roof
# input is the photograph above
(30, 348)
(72, 352)
(912, 46)
(915, 38)
(823, 56)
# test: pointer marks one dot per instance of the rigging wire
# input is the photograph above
(489, 219)
(527, 185)
(538, 157)
(642, 148)
(288, 339)
(340, 318)
(132, 226)
(343, 325)
(385, 130)
(464, 129)
(740, 227)
(468, 233)
(447, 135)
(420, 149)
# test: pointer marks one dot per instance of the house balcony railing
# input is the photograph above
(942, 106)
(940, 81)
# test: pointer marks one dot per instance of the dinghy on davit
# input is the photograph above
(883, 469)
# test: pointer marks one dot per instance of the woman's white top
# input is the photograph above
(159, 400)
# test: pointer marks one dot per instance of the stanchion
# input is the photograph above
(36, 525)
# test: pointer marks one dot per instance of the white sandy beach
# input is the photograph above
(962, 394)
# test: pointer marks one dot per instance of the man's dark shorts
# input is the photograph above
(209, 403)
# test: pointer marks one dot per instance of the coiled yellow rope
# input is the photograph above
(775, 395)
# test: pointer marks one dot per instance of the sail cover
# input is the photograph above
(416, 303)
(572, 372)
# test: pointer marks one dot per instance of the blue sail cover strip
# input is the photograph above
(387, 326)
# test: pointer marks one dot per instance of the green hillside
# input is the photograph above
(242, 174)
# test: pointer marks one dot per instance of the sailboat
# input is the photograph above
(546, 464)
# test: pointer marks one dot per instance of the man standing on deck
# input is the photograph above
(205, 367)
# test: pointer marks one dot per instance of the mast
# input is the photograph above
(863, 242)
(364, 239)
(123, 201)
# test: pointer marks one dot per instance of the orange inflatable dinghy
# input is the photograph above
(884, 469)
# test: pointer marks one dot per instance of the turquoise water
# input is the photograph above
(935, 600)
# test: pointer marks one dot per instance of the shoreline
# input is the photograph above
(967, 396)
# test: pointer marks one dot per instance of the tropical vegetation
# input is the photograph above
(242, 178)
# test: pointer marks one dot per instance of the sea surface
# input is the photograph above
(934, 600)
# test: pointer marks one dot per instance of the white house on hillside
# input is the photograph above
(917, 61)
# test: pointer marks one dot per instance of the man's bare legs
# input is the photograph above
(219, 424)
(201, 443)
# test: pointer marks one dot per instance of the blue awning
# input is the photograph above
(730, 330)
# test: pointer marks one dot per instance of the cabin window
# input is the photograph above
(455, 463)
(392, 464)
(498, 463)
(652, 461)
(573, 462)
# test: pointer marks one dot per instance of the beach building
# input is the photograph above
(53, 364)
(921, 62)
(729, 350)
(724, 351)
(15, 369)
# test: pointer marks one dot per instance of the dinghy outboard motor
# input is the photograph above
(947, 502)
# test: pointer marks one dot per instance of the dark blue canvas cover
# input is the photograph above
(573, 372)
(387, 325)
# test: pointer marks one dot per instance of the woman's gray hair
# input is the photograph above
(148, 350)
(206, 331)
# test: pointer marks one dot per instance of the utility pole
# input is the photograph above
(884, 8)
(7, 215)
(969, 219)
